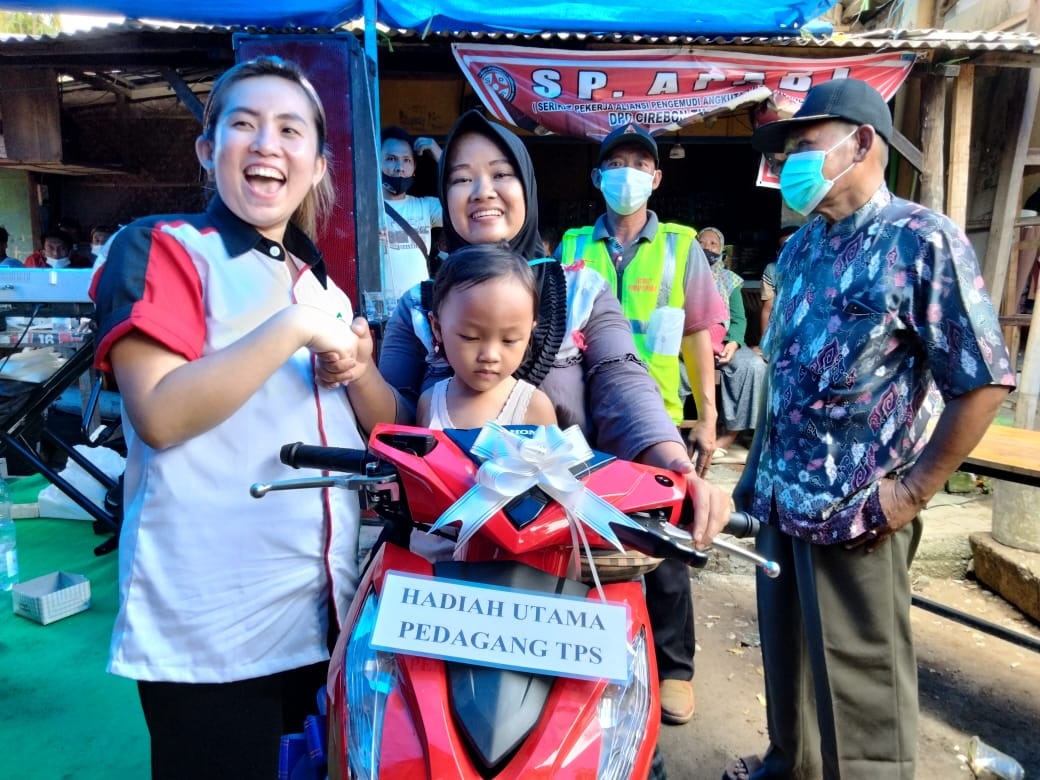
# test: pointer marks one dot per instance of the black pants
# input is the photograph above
(227, 730)
(670, 606)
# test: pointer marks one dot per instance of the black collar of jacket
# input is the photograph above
(240, 237)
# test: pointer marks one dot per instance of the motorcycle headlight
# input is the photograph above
(370, 677)
(623, 713)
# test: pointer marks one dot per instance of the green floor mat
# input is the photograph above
(26, 490)
(63, 715)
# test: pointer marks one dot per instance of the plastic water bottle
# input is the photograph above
(8, 543)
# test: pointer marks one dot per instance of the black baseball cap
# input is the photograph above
(628, 134)
(849, 99)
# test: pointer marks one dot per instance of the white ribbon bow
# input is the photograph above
(513, 464)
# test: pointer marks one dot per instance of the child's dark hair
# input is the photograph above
(478, 263)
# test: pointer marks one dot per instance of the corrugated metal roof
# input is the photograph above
(873, 40)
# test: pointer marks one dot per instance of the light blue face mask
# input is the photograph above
(802, 182)
(626, 190)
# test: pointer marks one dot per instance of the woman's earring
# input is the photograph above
(436, 348)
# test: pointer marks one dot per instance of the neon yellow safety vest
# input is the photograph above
(653, 292)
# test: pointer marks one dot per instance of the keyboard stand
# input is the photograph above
(15, 425)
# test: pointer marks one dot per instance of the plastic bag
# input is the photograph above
(32, 364)
(54, 503)
(988, 763)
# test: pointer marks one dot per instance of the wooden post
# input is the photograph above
(1029, 386)
(933, 124)
(960, 146)
(1006, 204)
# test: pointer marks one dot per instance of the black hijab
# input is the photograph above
(552, 307)
(528, 242)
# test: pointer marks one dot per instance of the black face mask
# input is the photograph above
(397, 185)
(713, 257)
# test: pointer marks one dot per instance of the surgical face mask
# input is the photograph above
(397, 185)
(625, 190)
(802, 182)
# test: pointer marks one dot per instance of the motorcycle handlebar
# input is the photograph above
(309, 456)
(741, 525)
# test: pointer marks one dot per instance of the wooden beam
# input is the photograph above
(1028, 392)
(184, 93)
(960, 146)
(933, 124)
(1010, 23)
(1006, 204)
(906, 147)
(1006, 59)
(101, 82)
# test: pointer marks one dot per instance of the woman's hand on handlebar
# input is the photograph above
(711, 505)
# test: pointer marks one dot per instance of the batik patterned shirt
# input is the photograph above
(878, 318)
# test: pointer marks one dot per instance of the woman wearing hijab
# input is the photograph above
(582, 354)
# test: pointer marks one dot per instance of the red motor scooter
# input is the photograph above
(500, 663)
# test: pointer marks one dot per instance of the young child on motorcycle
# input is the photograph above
(482, 316)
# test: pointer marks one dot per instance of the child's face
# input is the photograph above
(484, 330)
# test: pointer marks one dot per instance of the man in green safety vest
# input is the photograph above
(664, 283)
(660, 275)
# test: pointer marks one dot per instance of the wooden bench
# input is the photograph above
(1011, 454)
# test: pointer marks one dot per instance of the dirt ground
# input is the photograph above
(970, 682)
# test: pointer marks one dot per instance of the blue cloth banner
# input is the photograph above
(698, 17)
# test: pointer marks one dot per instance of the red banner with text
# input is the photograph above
(589, 93)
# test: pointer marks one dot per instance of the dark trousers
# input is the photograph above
(217, 731)
(670, 605)
(838, 655)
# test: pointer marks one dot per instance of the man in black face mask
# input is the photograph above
(409, 219)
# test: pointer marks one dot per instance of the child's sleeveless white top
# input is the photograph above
(513, 412)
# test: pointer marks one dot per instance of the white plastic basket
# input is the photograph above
(51, 597)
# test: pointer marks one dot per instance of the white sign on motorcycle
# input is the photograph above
(512, 629)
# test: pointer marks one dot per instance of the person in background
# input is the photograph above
(99, 237)
(228, 339)
(6, 261)
(55, 251)
(852, 444)
(409, 220)
(767, 290)
(661, 277)
(742, 369)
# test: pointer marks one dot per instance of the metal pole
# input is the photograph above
(986, 626)
(371, 11)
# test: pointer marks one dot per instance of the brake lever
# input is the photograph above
(770, 568)
(661, 539)
(344, 481)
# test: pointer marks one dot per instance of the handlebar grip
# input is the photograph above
(741, 525)
(310, 456)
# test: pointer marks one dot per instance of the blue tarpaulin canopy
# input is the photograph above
(695, 17)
